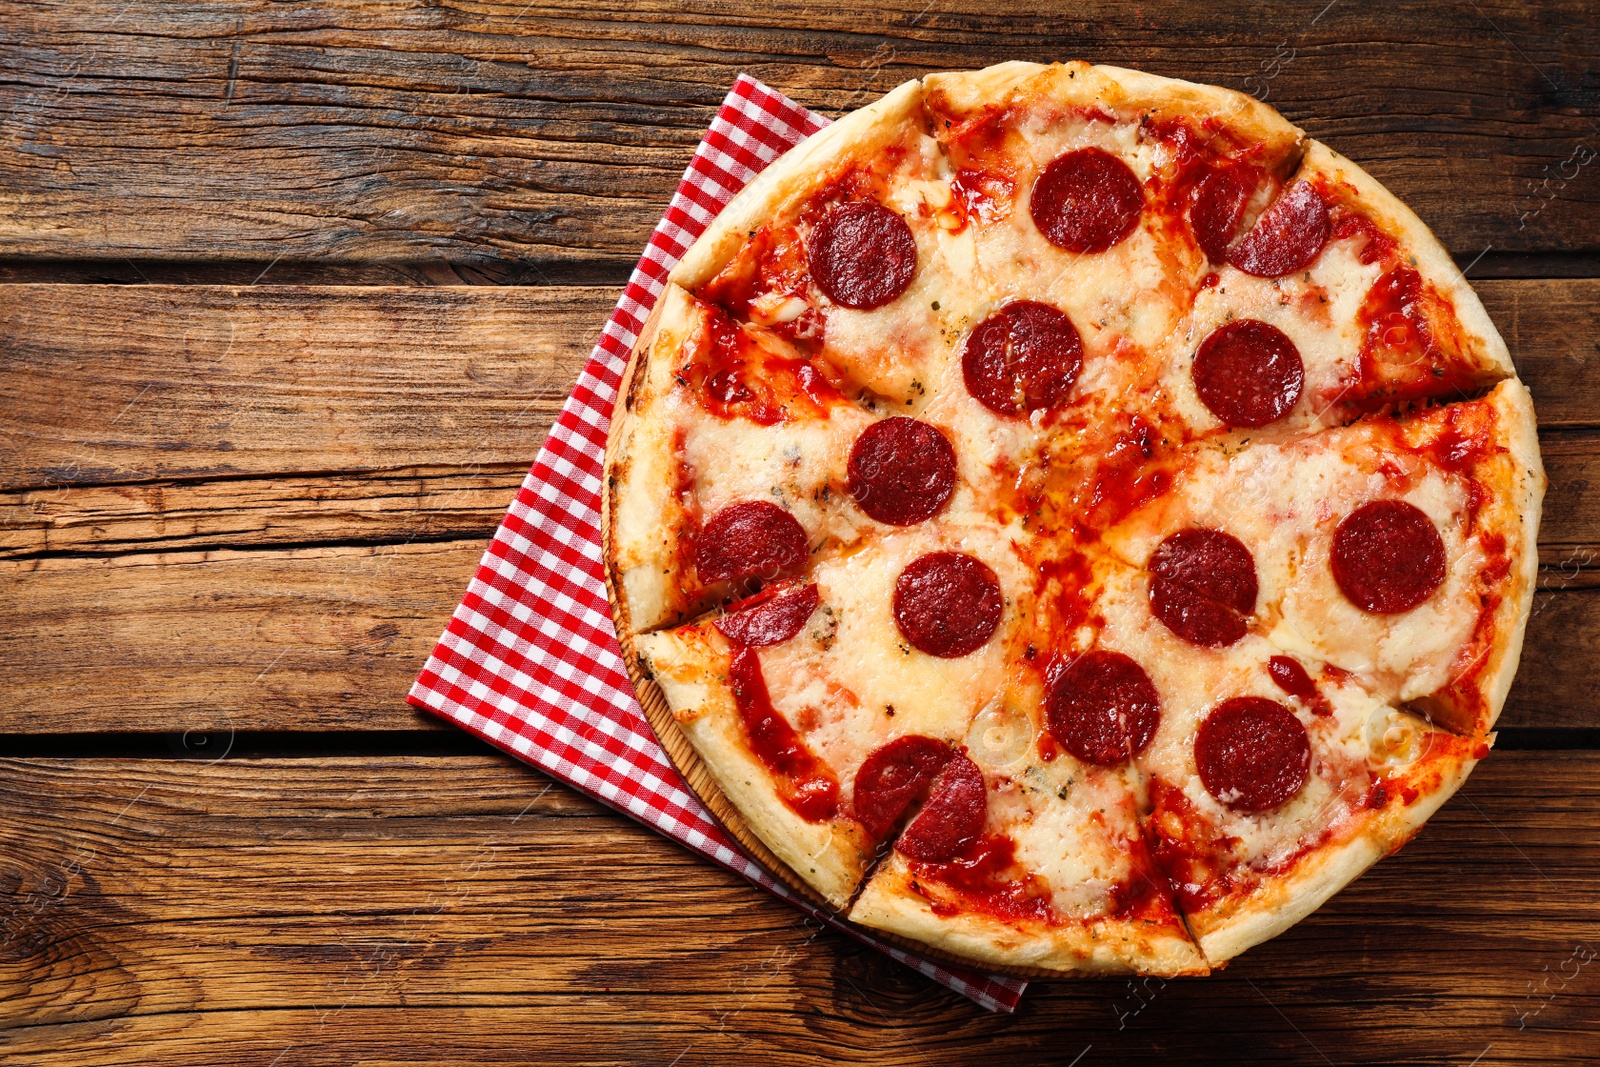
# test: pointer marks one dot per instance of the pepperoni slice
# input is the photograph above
(893, 777)
(1103, 708)
(862, 255)
(1218, 208)
(1248, 373)
(953, 816)
(1203, 586)
(947, 604)
(753, 539)
(1024, 357)
(770, 617)
(1387, 557)
(1252, 753)
(902, 471)
(1086, 201)
(1287, 236)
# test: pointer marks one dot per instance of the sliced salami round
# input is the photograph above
(862, 255)
(1103, 708)
(1203, 586)
(1218, 207)
(1248, 373)
(1086, 201)
(947, 604)
(1023, 358)
(1388, 557)
(1287, 237)
(1253, 754)
(753, 539)
(771, 617)
(893, 777)
(902, 471)
(952, 818)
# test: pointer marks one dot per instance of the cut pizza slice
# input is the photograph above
(1024, 861)
(785, 698)
(1398, 551)
(729, 429)
(1068, 176)
(838, 246)
(1267, 793)
(1334, 302)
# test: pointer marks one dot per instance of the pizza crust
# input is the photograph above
(642, 534)
(1117, 89)
(891, 903)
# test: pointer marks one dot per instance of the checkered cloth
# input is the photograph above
(530, 661)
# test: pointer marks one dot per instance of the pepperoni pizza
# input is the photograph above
(1078, 521)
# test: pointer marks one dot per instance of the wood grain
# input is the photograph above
(383, 507)
(110, 385)
(458, 910)
(537, 139)
(310, 639)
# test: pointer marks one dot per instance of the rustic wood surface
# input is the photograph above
(464, 910)
(289, 295)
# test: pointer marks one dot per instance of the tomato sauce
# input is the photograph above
(805, 784)
(733, 377)
(986, 877)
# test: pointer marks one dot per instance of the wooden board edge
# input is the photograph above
(681, 752)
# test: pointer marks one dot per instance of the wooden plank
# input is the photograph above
(117, 385)
(330, 638)
(388, 507)
(1552, 327)
(110, 385)
(550, 137)
(458, 910)
(313, 639)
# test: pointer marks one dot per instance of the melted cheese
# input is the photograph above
(1071, 824)
(1361, 738)
(850, 682)
(1284, 503)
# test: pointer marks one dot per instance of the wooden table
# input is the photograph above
(289, 295)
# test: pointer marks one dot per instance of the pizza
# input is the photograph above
(1078, 521)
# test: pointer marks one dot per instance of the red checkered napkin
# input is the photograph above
(530, 661)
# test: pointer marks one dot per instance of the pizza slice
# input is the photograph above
(785, 696)
(1267, 792)
(1029, 855)
(1334, 301)
(1067, 175)
(1399, 551)
(839, 247)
